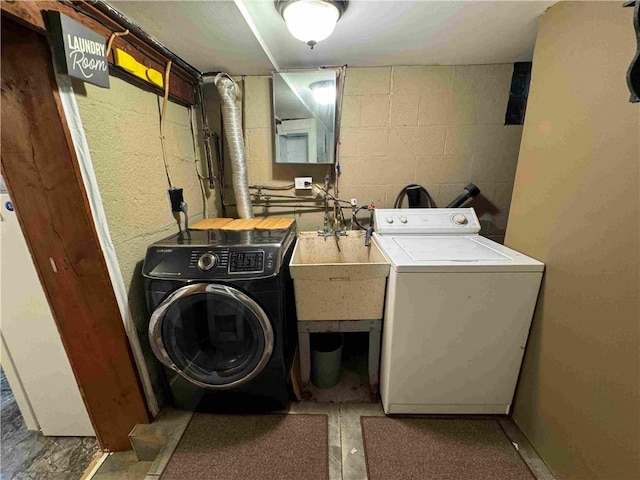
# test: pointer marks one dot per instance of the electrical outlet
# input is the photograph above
(303, 183)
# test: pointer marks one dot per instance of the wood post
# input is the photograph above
(41, 170)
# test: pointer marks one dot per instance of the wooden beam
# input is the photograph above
(30, 14)
(42, 173)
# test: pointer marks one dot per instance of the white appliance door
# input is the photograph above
(32, 338)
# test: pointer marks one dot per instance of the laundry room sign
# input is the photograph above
(78, 51)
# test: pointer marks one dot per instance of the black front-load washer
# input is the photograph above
(223, 318)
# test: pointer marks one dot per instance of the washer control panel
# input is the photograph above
(207, 262)
(426, 221)
(246, 261)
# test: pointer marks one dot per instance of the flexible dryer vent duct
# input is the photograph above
(228, 90)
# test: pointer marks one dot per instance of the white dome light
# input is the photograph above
(311, 20)
(324, 93)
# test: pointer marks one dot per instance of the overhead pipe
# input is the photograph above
(228, 91)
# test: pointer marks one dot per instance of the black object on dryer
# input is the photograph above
(470, 191)
(223, 317)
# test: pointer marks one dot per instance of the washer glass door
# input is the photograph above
(213, 335)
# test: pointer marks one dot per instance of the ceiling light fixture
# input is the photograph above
(324, 92)
(311, 20)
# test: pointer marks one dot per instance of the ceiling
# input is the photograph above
(249, 37)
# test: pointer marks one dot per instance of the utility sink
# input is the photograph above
(338, 278)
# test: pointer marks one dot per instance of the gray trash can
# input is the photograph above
(326, 356)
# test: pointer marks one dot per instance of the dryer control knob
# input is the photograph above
(403, 219)
(389, 220)
(459, 219)
(207, 261)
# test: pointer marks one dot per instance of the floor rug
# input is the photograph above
(252, 447)
(440, 449)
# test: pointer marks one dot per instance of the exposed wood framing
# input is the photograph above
(30, 14)
(41, 169)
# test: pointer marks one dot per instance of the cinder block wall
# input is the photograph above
(122, 128)
(439, 126)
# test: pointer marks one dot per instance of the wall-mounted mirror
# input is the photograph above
(304, 106)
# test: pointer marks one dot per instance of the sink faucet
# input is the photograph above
(367, 236)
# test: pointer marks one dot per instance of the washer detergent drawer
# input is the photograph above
(214, 336)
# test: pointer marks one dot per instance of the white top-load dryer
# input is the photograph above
(457, 314)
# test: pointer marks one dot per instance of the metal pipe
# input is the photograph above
(273, 187)
(207, 136)
(304, 199)
(228, 90)
(269, 204)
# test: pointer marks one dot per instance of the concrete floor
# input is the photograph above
(344, 404)
(346, 449)
(29, 455)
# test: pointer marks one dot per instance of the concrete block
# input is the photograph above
(122, 129)
(464, 108)
(443, 169)
(260, 149)
(175, 113)
(376, 171)
(469, 79)
(493, 168)
(437, 109)
(421, 141)
(512, 135)
(498, 77)
(398, 149)
(121, 96)
(492, 106)
(350, 111)
(503, 195)
(309, 221)
(367, 81)
(258, 108)
(478, 138)
(364, 141)
(259, 154)
(365, 194)
(404, 110)
(422, 80)
(374, 110)
(458, 140)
